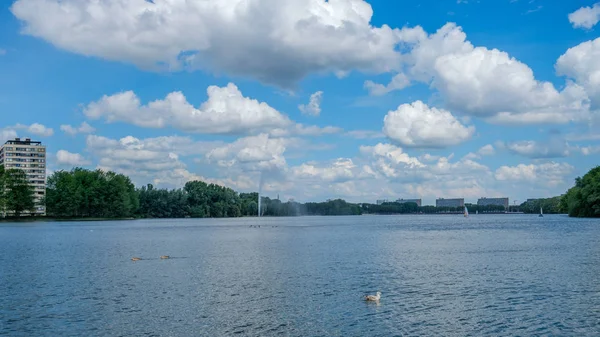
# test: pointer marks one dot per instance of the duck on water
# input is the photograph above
(373, 298)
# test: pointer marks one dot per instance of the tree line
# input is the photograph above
(549, 206)
(82, 193)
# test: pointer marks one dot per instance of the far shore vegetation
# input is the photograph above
(82, 194)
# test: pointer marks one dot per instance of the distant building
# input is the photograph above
(382, 201)
(29, 156)
(404, 201)
(493, 201)
(449, 202)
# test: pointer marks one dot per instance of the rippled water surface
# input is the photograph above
(488, 275)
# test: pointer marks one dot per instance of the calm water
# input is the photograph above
(488, 275)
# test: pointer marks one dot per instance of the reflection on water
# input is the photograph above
(439, 275)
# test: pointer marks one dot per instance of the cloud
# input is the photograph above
(313, 107)
(398, 82)
(150, 160)
(2, 51)
(299, 129)
(550, 174)
(585, 17)
(84, 128)
(533, 10)
(365, 134)
(554, 148)
(339, 170)
(293, 38)
(380, 171)
(417, 125)
(386, 171)
(582, 63)
(488, 83)
(35, 129)
(226, 111)
(253, 153)
(6, 134)
(64, 157)
(486, 150)
(588, 150)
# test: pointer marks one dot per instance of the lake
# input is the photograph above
(440, 275)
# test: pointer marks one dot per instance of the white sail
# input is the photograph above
(466, 212)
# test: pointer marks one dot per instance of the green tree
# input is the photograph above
(583, 199)
(86, 193)
(162, 203)
(18, 194)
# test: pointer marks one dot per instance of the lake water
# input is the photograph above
(488, 275)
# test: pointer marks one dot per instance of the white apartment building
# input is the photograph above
(29, 156)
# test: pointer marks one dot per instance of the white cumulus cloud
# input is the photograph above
(6, 134)
(553, 148)
(292, 38)
(84, 128)
(585, 17)
(339, 170)
(226, 111)
(35, 129)
(313, 107)
(398, 82)
(550, 174)
(582, 63)
(589, 150)
(417, 125)
(486, 83)
(64, 157)
(253, 153)
(150, 160)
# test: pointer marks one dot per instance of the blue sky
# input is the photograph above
(409, 99)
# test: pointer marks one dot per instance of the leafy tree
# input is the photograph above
(161, 203)
(86, 193)
(583, 200)
(549, 205)
(18, 194)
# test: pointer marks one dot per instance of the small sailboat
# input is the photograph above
(466, 212)
(541, 213)
(476, 211)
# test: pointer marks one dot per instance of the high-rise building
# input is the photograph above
(441, 202)
(404, 201)
(29, 156)
(493, 201)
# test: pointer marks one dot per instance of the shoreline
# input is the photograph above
(52, 219)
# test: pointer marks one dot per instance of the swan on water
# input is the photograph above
(136, 258)
(165, 257)
(374, 298)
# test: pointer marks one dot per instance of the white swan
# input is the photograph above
(374, 298)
